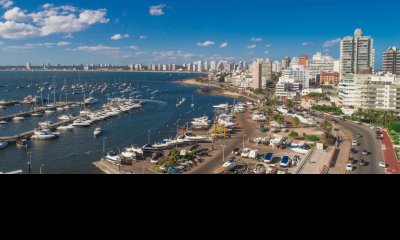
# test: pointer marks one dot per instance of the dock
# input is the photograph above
(29, 134)
(29, 113)
(7, 103)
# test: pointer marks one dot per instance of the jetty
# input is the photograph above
(7, 103)
(29, 113)
(29, 134)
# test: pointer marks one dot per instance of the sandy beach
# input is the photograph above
(193, 83)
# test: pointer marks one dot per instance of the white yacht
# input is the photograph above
(90, 100)
(82, 123)
(113, 157)
(44, 134)
(3, 122)
(18, 119)
(3, 144)
(66, 128)
(132, 152)
(65, 117)
(49, 111)
(190, 137)
(221, 106)
(37, 114)
(45, 124)
(97, 132)
(2, 107)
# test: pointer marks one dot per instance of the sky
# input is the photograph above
(181, 31)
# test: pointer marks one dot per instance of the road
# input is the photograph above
(367, 142)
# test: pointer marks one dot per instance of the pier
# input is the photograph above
(29, 134)
(7, 103)
(29, 113)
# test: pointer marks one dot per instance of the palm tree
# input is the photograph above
(326, 128)
(359, 114)
(387, 117)
(293, 135)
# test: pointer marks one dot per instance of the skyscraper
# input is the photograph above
(391, 61)
(303, 60)
(266, 70)
(285, 63)
(357, 54)
(257, 74)
(28, 66)
(200, 66)
(213, 65)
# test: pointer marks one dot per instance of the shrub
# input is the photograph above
(313, 138)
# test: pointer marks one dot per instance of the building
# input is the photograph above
(200, 66)
(285, 63)
(266, 70)
(213, 65)
(303, 61)
(321, 64)
(206, 66)
(28, 66)
(277, 67)
(294, 80)
(368, 91)
(357, 54)
(257, 74)
(391, 61)
(330, 78)
(295, 61)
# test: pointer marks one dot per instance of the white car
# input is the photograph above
(382, 164)
(354, 143)
(349, 167)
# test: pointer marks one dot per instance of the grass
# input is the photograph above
(398, 155)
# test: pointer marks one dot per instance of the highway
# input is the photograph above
(367, 142)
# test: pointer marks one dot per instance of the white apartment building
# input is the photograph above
(277, 67)
(321, 64)
(368, 91)
(294, 80)
(240, 81)
(213, 65)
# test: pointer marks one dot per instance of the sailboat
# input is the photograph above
(192, 101)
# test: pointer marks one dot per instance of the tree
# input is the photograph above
(326, 128)
(313, 138)
(293, 135)
(290, 104)
(296, 121)
(279, 119)
(387, 117)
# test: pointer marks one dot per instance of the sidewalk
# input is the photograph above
(390, 155)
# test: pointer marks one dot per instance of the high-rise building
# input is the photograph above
(295, 61)
(277, 67)
(257, 74)
(200, 66)
(357, 54)
(266, 70)
(28, 66)
(303, 61)
(285, 63)
(391, 61)
(213, 65)
(206, 66)
(320, 64)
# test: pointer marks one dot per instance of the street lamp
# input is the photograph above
(223, 153)
(30, 163)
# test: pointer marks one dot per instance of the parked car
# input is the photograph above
(359, 135)
(382, 164)
(351, 160)
(354, 143)
(236, 151)
(354, 151)
(363, 163)
(365, 152)
(349, 167)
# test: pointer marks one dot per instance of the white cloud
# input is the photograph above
(157, 10)
(6, 3)
(48, 20)
(256, 39)
(252, 46)
(143, 37)
(98, 49)
(69, 36)
(305, 44)
(206, 44)
(173, 55)
(134, 47)
(331, 43)
(223, 45)
(118, 36)
(266, 52)
(268, 45)
(63, 44)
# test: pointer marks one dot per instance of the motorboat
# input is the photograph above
(3, 122)
(113, 157)
(97, 132)
(190, 137)
(133, 153)
(44, 134)
(37, 114)
(60, 109)
(65, 117)
(49, 111)
(46, 124)
(24, 143)
(230, 164)
(18, 119)
(82, 123)
(3, 144)
(221, 106)
(90, 100)
(2, 107)
(66, 128)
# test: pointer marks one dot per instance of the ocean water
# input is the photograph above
(74, 152)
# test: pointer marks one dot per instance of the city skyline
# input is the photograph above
(148, 32)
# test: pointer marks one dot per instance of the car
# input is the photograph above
(354, 151)
(354, 143)
(365, 152)
(359, 135)
(236, 151)
(351, 160)
(363, 163)
(349, 167)
(334, 121)
(382, 164)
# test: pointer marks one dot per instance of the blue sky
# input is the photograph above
(178, 31)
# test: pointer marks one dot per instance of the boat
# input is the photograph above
(285, 162)
(44, 134)
(24, 143)
(2, 107)
(18, 119)
(46, 124)
(37, 114)
(190, 137)
(268, 157)
(82, 123)
(3, 122)
(133, 153)
(3, 144)
(90, 100)
(66, 128)
(221, 106)
(113, 158)
(65, 117)
(230, 164)
(49, 111)
(97, 132)
(192, 105)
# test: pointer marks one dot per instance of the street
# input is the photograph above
(367, 142)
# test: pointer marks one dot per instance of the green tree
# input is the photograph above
(313, 138)
(296, 121)
(279, 119)
(293, 135)
(290, 104)
(326, 128)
